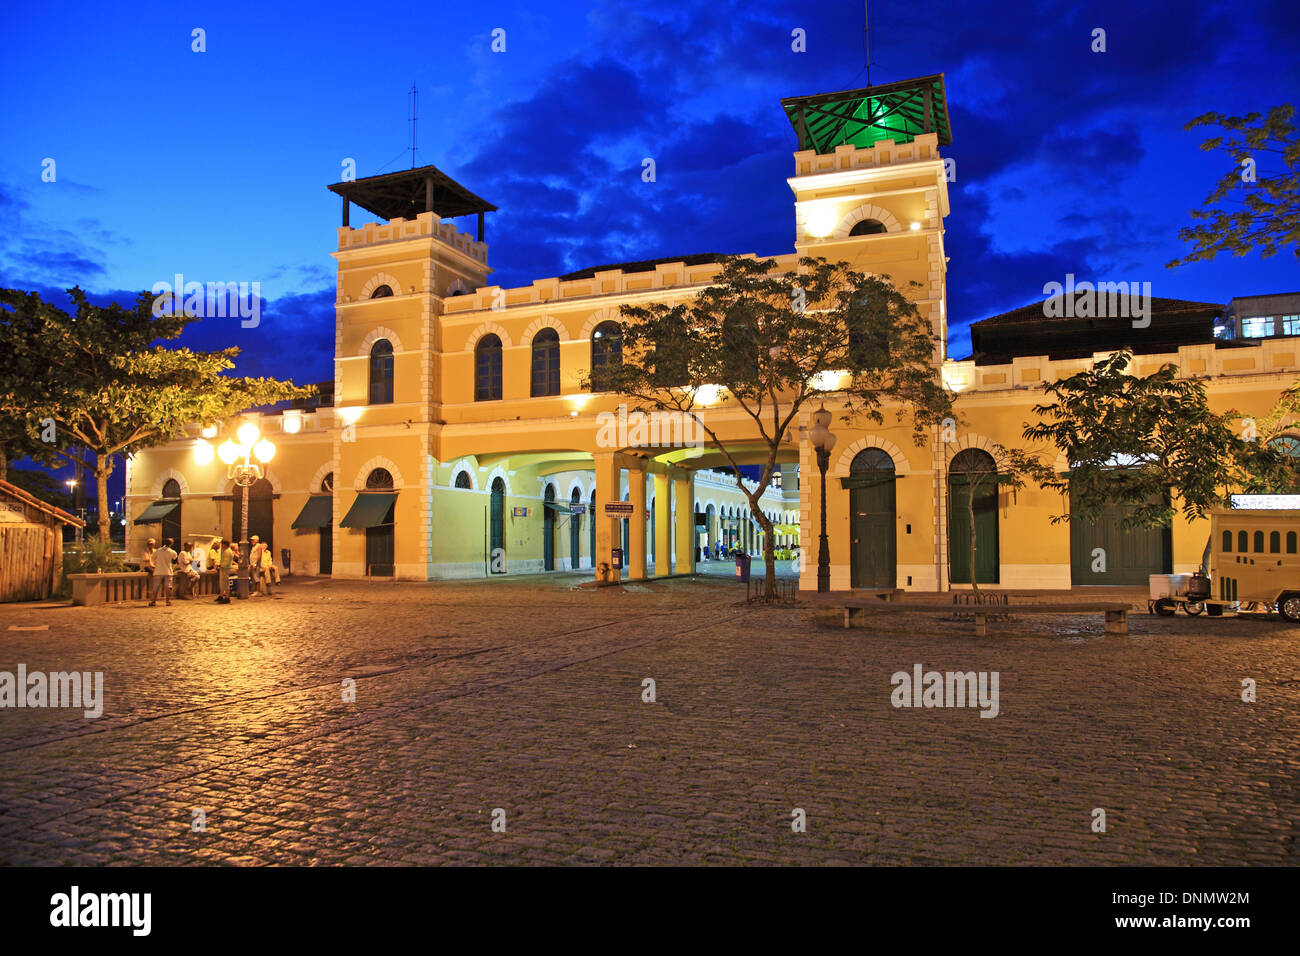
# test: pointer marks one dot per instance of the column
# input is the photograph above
(608, 532)
(684, 545)
(636, 530)
(663, 527)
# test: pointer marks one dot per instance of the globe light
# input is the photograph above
(708, 394)
(209, 431)
(228, 452)
(203, 452)
(264, 450)
(291, 422)
(248, 433)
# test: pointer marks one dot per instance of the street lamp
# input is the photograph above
(823, 440)
(72, 490)
(241, 468)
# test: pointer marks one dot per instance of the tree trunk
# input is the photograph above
(103, 468)
(769, 554)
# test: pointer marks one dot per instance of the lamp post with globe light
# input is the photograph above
(241, 468)
(823, 440)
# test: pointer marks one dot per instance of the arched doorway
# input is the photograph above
(380, 543)
(972, 481)
(171, 522)
(261, 512)
(711, 525)
(592, 527)
(326, 544)
(873, 528)
(497, 528)
(575, 530)
(548, 529)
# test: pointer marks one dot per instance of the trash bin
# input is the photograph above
(742, 566)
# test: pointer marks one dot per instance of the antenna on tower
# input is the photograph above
(414, 96)
(866, 40)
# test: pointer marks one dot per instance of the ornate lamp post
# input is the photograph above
(241, 468)
(823, 440)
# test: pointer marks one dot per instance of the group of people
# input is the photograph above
(165, 563)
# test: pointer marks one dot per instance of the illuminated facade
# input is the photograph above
(460, 444)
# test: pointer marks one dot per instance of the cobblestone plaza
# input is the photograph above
(526, 696)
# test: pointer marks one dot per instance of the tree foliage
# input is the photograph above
(773, 340)
(103, 376)
(1148, 443)
(1256, 204)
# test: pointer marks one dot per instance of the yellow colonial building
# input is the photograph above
(456, 440)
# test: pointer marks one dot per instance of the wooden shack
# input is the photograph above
(31, 545)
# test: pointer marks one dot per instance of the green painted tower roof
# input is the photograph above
(895, 111)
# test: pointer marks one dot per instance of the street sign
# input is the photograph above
(618, 507)
(577, 509)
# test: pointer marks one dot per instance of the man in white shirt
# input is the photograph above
(164, 560)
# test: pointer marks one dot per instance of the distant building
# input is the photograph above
(1261, 316)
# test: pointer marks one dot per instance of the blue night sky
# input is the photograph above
(215, 164)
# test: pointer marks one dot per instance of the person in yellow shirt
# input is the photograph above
(266, 570)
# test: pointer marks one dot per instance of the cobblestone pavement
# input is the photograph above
(526, 695)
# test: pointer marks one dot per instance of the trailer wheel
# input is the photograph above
(1194, 608)
(1166, 607)
(1288, 605)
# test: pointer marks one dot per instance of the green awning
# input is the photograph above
(316, 513)
(369, 510)
(157, 511)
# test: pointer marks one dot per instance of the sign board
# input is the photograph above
(519, 512)
(618, 507)
(577, 509)
(616, 558)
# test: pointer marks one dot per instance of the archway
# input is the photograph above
(575, 529)
(971, 481)
(380, 543)
(497, 528)
(873, 531)
(171, 522)
(548, 529)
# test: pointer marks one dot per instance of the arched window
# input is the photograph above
(877, 459)
(462, 480)
(1259, 542)
(1290, 542)
(867, 227)
(171, 522)
(487, 369)
(606, 353)
(382, 292)
(546, 363)
(1243, 541)
(379, 480)
(1227, 542)
(1275, 542)
(381, 372)
(327, 484)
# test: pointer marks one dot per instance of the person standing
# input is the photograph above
(255, 547)
(148, 567)
(214, 554)
(164, 567)
(223, 572)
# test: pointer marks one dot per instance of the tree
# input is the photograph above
(101, 377)
(772, 341)
(1249, 209)
(1143, 441)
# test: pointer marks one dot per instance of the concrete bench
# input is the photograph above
(115, 587)
(1116, 615)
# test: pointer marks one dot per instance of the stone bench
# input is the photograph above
(118, 586)
(1116, 615)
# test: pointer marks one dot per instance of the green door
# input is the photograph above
(548, 530)
(959, 530)
(872, 532)
(497, 528)
(1102, 552)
